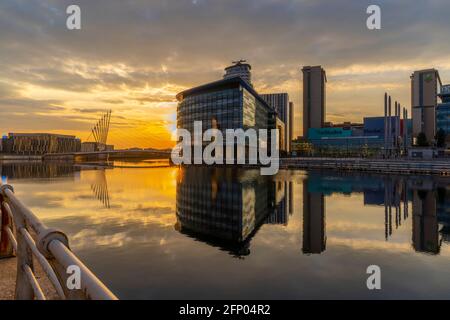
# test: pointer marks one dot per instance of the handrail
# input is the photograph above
(440, 167)
(51, 250)
(44, 263)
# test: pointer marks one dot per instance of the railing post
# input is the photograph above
(24, 290)
(6, 248)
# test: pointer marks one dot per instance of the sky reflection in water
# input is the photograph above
(221, 233)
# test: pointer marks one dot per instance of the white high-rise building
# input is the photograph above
(425, 86)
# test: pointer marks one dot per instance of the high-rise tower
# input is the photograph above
(314, 98)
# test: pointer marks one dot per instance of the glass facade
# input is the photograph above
(223, 206)
(222, 105)
(225, 104)
(443, 112)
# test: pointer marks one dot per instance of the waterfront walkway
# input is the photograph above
(8, 268)
(400, 166)
(37, 258)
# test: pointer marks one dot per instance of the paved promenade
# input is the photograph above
(8, 280)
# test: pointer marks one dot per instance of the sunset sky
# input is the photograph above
(134, 56)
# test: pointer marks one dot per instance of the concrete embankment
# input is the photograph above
(400, 166)
(4, 157)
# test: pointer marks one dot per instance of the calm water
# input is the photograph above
(203, 233)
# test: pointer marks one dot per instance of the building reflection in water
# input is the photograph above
(225, 207)
(428, 195)
(429, 220)
(38, 170)
(56, 170)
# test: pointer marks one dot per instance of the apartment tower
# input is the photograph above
(425, 86)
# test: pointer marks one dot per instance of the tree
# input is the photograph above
(422, 140)
(440, 138)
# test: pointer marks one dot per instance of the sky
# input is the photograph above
(134, 56)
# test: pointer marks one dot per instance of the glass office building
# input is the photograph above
(280, 103)
(443, 111)
(224, 104)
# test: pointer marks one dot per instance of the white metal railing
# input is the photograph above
(50, 250)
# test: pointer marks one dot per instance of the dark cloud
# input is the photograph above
(186, 42)
(207, 34)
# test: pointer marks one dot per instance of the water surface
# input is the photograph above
(209, 233)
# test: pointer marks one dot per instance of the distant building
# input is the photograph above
(291, 125)
(425, 85)
(280, 103)
(95, 147)
(40, 143)
(354, 136)
(314, 98)
(239, 69)
(109, 147)
(226, 104)
(443, 112)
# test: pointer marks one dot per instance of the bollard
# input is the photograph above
(6, 248)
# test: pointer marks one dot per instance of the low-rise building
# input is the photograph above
(96, 147)
(39, 143)
(355, 137)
